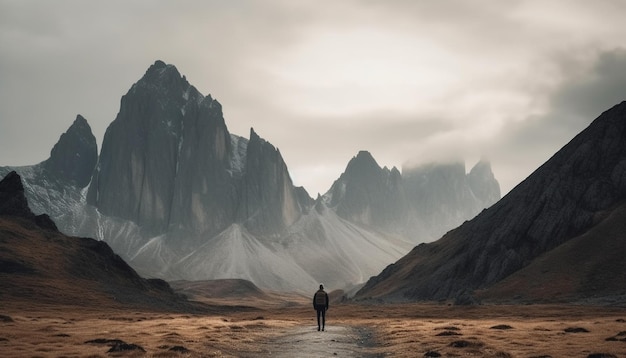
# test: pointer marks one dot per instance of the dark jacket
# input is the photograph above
(320, 300)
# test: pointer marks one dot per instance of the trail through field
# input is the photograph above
(335, 341)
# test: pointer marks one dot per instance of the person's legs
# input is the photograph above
(319, 312)
(323, 319)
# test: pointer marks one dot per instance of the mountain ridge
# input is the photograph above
(181, 198)
(555, 203)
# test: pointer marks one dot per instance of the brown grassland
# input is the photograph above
(285, 326)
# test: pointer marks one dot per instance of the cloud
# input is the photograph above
(407, 80)
(587, 95)
(588, 91)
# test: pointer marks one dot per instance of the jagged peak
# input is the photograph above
(75, 154)
(253, 134)
(81, 127)
(207, 100)
(166, 78)
(159, 64)
(255, 138)
(363, 160)
(160, 68)
(80, 121)
(364, 155)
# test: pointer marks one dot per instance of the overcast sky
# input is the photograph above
(410, 81)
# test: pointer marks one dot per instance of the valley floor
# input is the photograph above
(288, 329)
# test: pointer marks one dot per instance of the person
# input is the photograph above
(320, 304)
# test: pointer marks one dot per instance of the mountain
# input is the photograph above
(422, 202)
(167, 142)
(168, 163)
(589, 268)
(56, 184)
(39, 264)
(179, 197)
(74, 156)
(557, 216)
(443, 195)
(367, 194)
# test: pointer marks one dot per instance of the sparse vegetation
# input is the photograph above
(287, 325)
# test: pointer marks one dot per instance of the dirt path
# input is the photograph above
(335, 341)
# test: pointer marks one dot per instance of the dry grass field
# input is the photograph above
(285, 327)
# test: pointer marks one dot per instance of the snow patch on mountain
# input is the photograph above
(235, 253)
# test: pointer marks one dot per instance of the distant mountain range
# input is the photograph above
(560, 235)
(178, 196)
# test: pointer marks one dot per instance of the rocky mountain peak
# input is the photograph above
(362, 164)
(163, 84)
(255, 139)
(483, 183)
(271, 201)
(166, 142)
(366, 193)
(421, 202)
(168, 163)
(158, 67)
(74, 157)
(13, 202)
(361, 177)
(165, 75)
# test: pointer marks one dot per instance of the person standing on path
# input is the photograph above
(320, 303)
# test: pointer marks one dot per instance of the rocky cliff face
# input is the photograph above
(168, 162)
(165, 158)
(269, 200)
(561, 200)
(74, 156)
